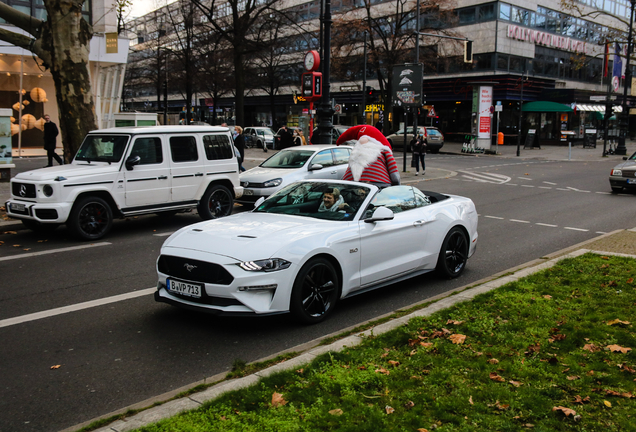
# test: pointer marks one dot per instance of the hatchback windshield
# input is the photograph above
(288, 159)
(318, 200)
(102, 148)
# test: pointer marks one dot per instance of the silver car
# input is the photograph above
(256, 136)
(623, 175)
(293, 164)
(397, 139)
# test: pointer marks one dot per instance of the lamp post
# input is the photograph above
(520, 115)
(621, 149)
(325, 111)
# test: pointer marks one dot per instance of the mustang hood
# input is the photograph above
(69, 171)
(246, 236)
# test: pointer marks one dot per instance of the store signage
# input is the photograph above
(349, 88)
(111, 43)
(546, 39)
(485, 102)
(374, 108)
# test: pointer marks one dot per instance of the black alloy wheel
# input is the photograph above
(453, 254)
(316, 291)
(91, 218)
(217, 202)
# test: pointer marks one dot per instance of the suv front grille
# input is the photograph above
(23, 190)
(200, 271)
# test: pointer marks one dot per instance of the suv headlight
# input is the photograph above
(266, 265)
(47, 190)
(273, 183)
(617, 172)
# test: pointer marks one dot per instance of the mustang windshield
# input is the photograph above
(288, 159)
(330, 201)
(102, 148)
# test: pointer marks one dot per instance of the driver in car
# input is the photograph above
(332, 201)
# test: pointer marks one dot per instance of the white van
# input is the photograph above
(123, 172)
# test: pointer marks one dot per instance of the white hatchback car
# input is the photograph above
(292, 164)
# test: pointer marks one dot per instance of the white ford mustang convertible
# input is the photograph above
(313, 243)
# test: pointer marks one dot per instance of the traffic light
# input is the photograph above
(371, 97)
(468, 51)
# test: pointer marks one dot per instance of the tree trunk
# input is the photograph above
(66, 36)
(239, 71)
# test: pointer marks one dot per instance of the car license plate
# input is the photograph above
(248, 192)
(17, 207)
(631, 181)
(184, 288)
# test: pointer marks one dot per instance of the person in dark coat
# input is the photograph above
(419, 154)
(239, 143)
(50, 140)
(286, 139)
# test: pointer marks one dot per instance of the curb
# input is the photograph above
(311, 349)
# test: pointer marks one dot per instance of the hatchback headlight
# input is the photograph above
(266, 265)
(273, 183)
(617, 172)
(47, 190)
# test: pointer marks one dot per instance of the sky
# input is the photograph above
(142, 7)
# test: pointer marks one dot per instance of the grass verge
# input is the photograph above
(550, 352)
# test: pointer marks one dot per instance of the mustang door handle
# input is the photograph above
(162, 177)
(421, 222)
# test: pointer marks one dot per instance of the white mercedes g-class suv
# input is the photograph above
(124, 172)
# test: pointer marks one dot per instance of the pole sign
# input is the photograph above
(312, 86)
(407, 85)
(485, 104)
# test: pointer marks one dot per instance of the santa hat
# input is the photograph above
(356, 132)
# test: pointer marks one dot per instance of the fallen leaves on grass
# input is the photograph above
(615, 393)
(457, 338)
(278, 400)
(389, 410)
(499, 406)
(533, 349)
(591, 348)
(617, 321)
(470, 400)
(618, 348)
(607, 403)
(547, 296)
(515, 383)
(565, 411)
(336, 412)
(382, 371)
(493, 361)
(454, 322)
(56, 367)
(495, 377)
(626, 368)
(409, 405)
(578, 399)
(394, 363)
(573, 378)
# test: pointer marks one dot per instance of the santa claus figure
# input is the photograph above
(371, 160)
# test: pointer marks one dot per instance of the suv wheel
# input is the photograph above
(91, 218)
(217, 202)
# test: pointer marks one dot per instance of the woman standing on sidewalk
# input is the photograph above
(419, 153)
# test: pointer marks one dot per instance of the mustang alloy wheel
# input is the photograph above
(316, 291)
(91, 218)
(216, 202)
(453, 254)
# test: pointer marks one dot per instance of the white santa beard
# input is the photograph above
(363, 155)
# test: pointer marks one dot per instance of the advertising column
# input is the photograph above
(484, 116)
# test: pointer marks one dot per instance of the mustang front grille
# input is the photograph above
(194, 270)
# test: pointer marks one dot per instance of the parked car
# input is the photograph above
(123, 172)
(434, 139)
(335, 133)
(293, 164)
(623, 175)
(289, 256)
(256, 136)
(397, 139)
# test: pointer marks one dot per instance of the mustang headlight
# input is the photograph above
(266, 265)
(273, 183)
(617, 172)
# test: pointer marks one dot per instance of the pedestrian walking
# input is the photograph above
(50, 140)
(286, 139)
(419, 153)
(239, 143)
(302, 137)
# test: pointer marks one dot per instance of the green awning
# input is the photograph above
(546, 106)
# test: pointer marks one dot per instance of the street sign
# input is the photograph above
(431, 112)
(598, 98)
(338, 109)
(407, 85)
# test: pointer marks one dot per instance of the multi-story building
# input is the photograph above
(29, 90)
(526, 51)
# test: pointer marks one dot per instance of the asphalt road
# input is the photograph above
(115, 354)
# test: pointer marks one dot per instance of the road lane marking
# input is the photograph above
(545, 187)
(51, 251)
(74, 308)
(547, 225)
(494, 217)
(575, 229)
(520, 221)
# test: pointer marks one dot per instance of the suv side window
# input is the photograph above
(217, 147)
(149, 150)
(183, 149)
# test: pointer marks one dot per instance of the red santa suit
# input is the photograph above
(371, 160)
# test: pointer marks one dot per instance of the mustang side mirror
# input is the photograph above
(132, 161)
(380, 214)
(315, 167)
(624, 157)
